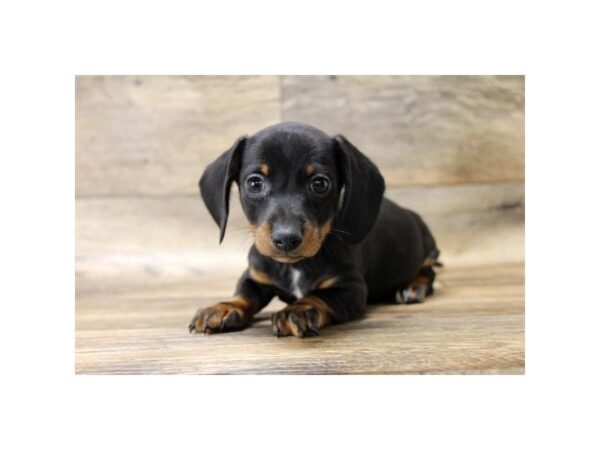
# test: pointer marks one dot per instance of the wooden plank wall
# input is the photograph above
(450, 147)
(153, 135)
(420, 130)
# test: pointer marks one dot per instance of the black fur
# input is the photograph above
(364, 188)
(215, 183)
(375, 248)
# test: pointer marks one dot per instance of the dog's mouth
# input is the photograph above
(288, 259)
(312, 239)
(285, 257)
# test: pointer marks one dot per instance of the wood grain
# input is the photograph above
(155, 134)
(474, 324)
(420, 129)
(147, 253)
(474, 224)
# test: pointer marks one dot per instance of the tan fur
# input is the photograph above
(325, 312)
(264, 169)
(419, 282)
(210, 319)
(239, 301)
(310, 169)
(262, 238)
(327, 283)
(429, 262)
(312, 240)
(243, 305)
(283, 324)
(260, 277)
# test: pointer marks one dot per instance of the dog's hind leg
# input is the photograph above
(415, 291)
(421, 287)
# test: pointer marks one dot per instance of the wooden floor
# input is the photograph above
(473, 324)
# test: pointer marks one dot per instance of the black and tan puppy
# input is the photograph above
(325, 240)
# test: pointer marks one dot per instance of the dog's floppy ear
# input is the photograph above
(363, 191)
(215, 183)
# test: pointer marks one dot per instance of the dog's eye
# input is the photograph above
(319, 184)
(254, 184)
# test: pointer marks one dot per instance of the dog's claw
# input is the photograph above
(218, 318)
(299, 319)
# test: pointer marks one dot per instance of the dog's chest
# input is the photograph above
(295, 283)
(296, 286)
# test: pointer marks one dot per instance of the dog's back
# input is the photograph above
(395, 251)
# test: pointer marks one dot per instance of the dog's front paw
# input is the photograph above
(302, 319)
(226, 316)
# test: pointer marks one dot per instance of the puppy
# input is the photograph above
(326, 242)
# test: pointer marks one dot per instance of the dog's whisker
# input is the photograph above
(341, 231)
(327, 251)
(335, 235)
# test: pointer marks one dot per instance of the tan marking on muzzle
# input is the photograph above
(312, 239)
(262, 238)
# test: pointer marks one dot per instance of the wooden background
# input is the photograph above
(450, 147)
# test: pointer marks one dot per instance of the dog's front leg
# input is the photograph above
(339, 302)
(235, 314)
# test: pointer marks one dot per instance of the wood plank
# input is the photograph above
(155, 134)
(474, 224)
(420, 129)
(472, 325)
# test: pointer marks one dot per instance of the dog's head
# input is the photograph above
(296, 186)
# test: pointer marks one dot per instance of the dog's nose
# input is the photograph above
(286, 239)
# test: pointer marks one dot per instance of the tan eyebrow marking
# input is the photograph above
(264, 169)
(310, 169)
